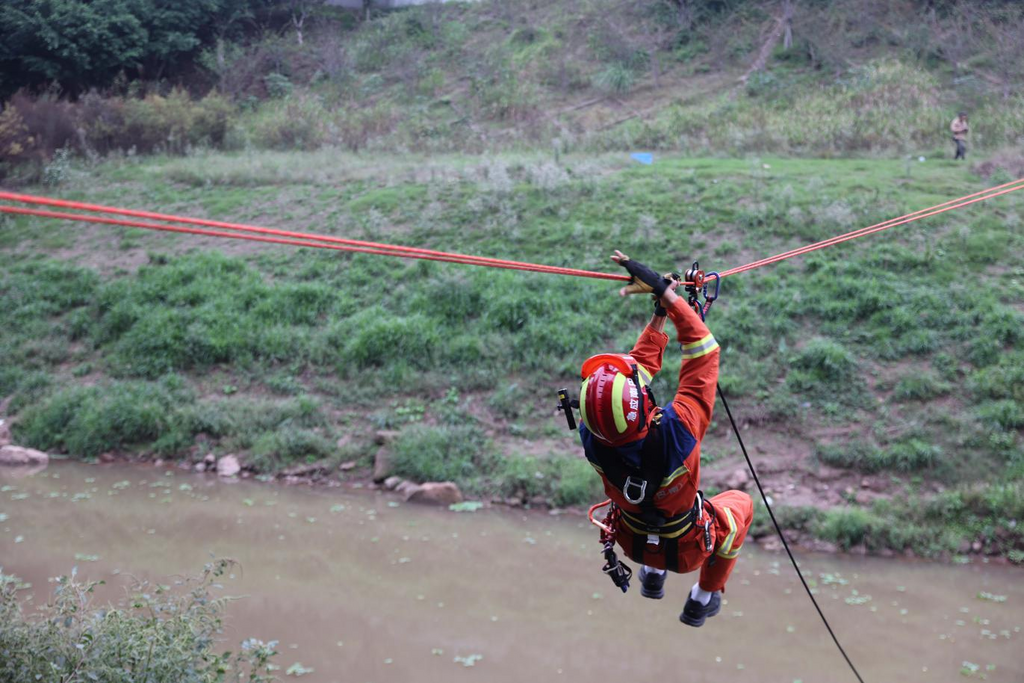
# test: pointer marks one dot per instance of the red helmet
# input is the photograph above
(613, 398)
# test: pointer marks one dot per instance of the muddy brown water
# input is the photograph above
(363, 588)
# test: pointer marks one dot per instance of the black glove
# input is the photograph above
(642, 275)
(660, 310)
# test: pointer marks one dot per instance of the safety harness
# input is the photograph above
(618, 571)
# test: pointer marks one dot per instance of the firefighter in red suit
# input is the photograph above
(649, 457)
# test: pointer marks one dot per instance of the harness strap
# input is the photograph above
(636, 552)
(672, 554)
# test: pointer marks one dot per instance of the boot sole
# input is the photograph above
(652, 595)
(690, 621)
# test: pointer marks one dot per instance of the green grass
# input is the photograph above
(320, 344)
(909, 454)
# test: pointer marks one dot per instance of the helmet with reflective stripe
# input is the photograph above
(613, 401)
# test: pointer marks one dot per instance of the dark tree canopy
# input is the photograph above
(79, 44)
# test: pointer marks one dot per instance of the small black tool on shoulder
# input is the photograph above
(565, 404)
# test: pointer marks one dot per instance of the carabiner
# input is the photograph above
(709, 298)
(642, 485)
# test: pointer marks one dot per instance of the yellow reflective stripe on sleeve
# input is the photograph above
(618, 386)
(700, 342)
(675, 475)
(725, 550)
(596, 467)
(699, 348)
(583, 403)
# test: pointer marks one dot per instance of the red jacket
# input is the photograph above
(682, 423)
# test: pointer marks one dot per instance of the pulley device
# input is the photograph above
(697, 284)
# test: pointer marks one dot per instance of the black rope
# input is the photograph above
(784, 543)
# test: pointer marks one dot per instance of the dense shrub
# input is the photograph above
(851, 454)
(295, 123)
(86, 421)
(574, 482)
(826, 361)
(34, 128)
(153, 633)
(920, 387)
(175, 122)
(905, 455)
(561, 480)
(198, 311)
(42, 289)
(847, 527)
(17, 145)
(277, 449)
(447, 453)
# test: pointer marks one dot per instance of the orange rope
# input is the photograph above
(303, 239)
(308, 239)
(885, 225)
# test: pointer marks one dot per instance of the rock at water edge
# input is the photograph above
(228, 466)
(436, 493)
(16, 455)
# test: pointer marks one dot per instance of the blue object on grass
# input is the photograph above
(643, 157)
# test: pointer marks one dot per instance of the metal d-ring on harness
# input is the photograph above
(642, 484)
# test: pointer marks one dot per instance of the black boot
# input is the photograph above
(695, 613)
(652, 584)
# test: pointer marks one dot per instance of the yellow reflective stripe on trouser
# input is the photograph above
(618, 387)
(699, 348)
(726, 550)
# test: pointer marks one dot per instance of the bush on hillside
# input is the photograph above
(34, 128)
(175, 122)
(86, 421)
(907, 454)
(458, 453)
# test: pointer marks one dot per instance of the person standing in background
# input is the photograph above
(960, 129)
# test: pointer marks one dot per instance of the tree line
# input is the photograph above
(77, 45)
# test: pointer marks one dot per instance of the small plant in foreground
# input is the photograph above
(157, 633)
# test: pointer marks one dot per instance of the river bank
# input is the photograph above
(353, 477)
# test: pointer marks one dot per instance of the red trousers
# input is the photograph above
(733, 513)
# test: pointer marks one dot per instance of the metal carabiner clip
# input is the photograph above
(642, 484)
(709, 298)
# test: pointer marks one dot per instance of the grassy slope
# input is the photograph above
(579, 76)
(879, 380)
